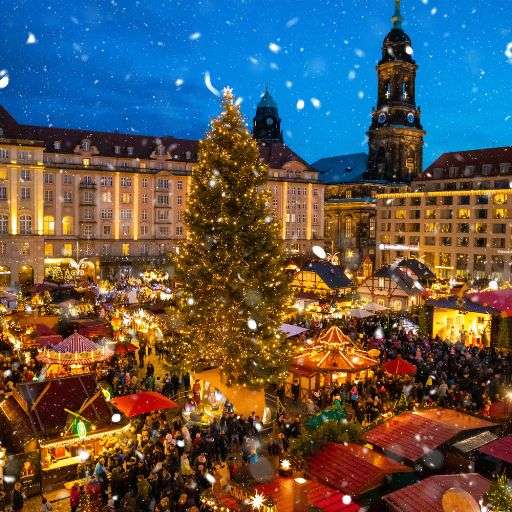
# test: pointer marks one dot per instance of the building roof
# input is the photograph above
(473, 157)
(267, 101)
(500, 449)
(500, 300)
(332, 275)
(351, 468)
(427, 494)
(396, 274)
(342, 168)
(275, 154)
(281, 492)
(411, 436)
(417, 267)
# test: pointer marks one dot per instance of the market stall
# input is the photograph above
(142, 402)
(53, 426)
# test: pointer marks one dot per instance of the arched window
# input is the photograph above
(387, 90)
(48, 225)
(86, 145)
(4, 223)
(25, 224)
(405, 88)
(67, 225)
(348, 227)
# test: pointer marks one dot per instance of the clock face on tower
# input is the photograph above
(410, 118)
(270, 121)
(382, 118)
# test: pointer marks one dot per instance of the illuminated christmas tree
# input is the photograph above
(499, 495)
(231, 265)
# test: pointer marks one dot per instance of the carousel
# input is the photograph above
(332, 358)
(73, 355)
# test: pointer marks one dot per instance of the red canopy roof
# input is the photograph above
(412, 435)
(399, 366)
(501, 410)
(142, 403)
(281, 492)
(427, 494)
(352, 469)
(500, 449)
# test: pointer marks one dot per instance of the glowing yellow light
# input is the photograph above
(257, 501)
(285, 464)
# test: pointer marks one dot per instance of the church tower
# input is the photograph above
(267, 123)
(395, 136)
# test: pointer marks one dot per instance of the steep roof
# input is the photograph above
(342, 168)
(352, 469)
(396, 274)
(474, 157)
(500, 449)
(274, 154)
(418, 268)
(464, 305)
(427, 494)
(332, 275)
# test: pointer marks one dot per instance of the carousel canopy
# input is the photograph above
(75, 349)
(142, 403)
(334, 352)
(333, 335)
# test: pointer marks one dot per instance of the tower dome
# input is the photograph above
(266, 125)
(397, 44)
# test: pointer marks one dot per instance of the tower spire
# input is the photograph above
(397, 16)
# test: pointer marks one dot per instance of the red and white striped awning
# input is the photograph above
(76, 343)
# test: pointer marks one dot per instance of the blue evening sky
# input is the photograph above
(114, 65)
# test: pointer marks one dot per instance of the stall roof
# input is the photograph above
(465, 305)
(475, 442)
(497, 299)
(352, 469)
(332, 275)
(280, 491)
(455, 418)
(427, 494)
(410, 436)
(500, 449)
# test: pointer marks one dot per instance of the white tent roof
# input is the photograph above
(292, 330)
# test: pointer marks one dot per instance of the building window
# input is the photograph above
(498, 243)
(479, 262)
(67, 249)
(25, 224)
(162, 183)
(106, 197)
(144, 215)
(105, 249)
(3, 193)
(88, 196)
(179, 230)
(144, 198)
(48, 249)
(482, 200)
(143, 230)
(430, 214)
(125, 249)
(4, 153)
(481, 243)
(125, 231)
(179, 185)
(463, 228)
(86, 145)
(499, 229)
(430, 240)
(129, 150)
(126, 198)
(24, 155)
(179, 200)
(107, 230)
(126, 214)
(126, 182)
(461, 261)
(430, 227)
(48, 225)
(67, 225)
(163, 200)
(47, 178)
(87, 231)
(500, 213)
(462, 241)
(25, 249)
(67, 196)
(48, 196)
(25, 193)
(144, 182)
(400, 214)
(106, 214)
(106, 181)
(117, 150)
(163, 230)
(504, 168)
(67, 179)
(4, 224)
(380, 283)
(482, 214)
(162, 215)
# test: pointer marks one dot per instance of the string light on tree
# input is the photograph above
(232, 262)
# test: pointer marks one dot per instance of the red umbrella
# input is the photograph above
(399, 366)
(121, 349)
(142, 403)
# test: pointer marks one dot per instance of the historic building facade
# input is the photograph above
(457, 220)
(395, 137)
(74, 200)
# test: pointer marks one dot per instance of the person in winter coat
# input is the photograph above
(74, 497)
(18, 499)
